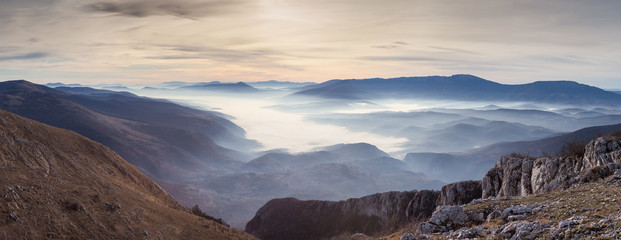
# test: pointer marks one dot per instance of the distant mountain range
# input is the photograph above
(239, 87)
(57, 184)
(463, 88)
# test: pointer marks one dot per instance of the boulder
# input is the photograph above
(450, 216)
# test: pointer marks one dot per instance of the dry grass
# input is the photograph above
(57, 184)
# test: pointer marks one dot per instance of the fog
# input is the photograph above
(313, 147)
(275, 128)
(279, 120)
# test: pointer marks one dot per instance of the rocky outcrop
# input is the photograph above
(601, 152)
(513, 176)
(460, 193)
(422, 205)
(290, 218)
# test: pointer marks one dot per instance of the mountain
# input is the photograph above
(175, 145)
(159, 137)
(58, 184)
(570, 196)
(463, 88)
(239, 87)
(273, 84)
(331, 173)
(454, 166)
(374, 214)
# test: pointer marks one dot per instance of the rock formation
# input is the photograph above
(459, 193)
(514, 176)
(592, 179)
(290, 218)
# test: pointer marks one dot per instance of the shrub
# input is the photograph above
(615, 135)
(522, 156)
(572, 149)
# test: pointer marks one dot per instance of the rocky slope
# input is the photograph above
(567, 196)
(584, 211)
(55, 183)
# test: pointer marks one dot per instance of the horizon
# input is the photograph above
(150, 42)
(139, 85)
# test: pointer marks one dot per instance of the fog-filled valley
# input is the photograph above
(231, 147)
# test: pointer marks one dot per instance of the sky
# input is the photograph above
(154, 41)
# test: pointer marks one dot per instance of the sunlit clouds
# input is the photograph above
(140, 41)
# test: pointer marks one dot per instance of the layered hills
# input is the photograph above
(190, 152)
(58, 184)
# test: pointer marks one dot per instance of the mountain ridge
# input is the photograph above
(462, 87)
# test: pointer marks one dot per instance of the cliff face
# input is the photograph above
(523, 176)
(55, 183)
(589, 186)
(459, 193)
(290, 218)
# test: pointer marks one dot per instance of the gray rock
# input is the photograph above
(428, 228)
(523, 230)
(467, 233)
(516, 210)
(450, 216)
(421, 205)
(408, 236)
(601, 151)
(520, 177)
(460, 193)
(476, 218)
(492, 182)
(493, 215)
(515, 218)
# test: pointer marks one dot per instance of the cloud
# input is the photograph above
(453, 50)
(186, 9)
(400, 59)
(28, 56)
(396, 44)
(385, 46)
(216, 54)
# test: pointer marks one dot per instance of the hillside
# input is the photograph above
(161, 138)
(58, 184)
(465, 88)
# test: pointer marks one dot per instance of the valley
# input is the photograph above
(265, 143)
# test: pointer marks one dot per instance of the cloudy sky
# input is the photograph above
(152, 41)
